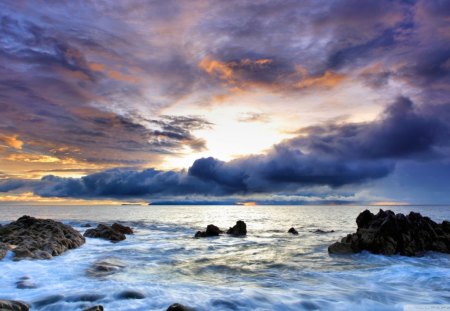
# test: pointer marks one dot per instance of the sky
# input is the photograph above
(283, 102)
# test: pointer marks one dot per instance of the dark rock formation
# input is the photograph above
(211, 230)
(7, 305)
(89, 297)
(105, 267)
(178, 307)
(3, 249)
(95, 308)
(122, 229)
(293, 231)
(388, 233)
(130, 294)
(39, 238)
(105, 232)
(86, 226)
(239, 229)
(320, 231)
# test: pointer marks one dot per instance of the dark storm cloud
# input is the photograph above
(10, 184)
(332, 155)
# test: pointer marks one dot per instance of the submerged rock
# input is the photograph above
(7, 305)
(122, 229)
(239, 229)
(105, 267)
(25, 283)
(293, 231)
(130, 294)
(320, 231)
(211, 230)
(95, 308)
(105, 232)
(178, 307)
(388, 233)
(39, 238)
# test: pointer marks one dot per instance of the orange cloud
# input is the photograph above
(33, 158)
(113, 74)
(215, 67)
(12, 141)
(328, 80)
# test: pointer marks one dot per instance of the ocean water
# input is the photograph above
(267, 270)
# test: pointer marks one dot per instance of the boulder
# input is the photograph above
(239, 229)
(122, 229)
(178, 307)
(388, 233)
(211, 230)
(39, 238)
(7, 305)
(105, 232)
(293, 231)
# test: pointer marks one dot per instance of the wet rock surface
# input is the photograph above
(130, 294)
(95, 308)
(31, 237)
(239, 229)
(388, 233)
(178, 307)
(7, 305)
(320, 231)
(105, 232)
(105, 267)
(25, 282)
(3, 249)
(211, 230)
(121, 228)
(293, 231)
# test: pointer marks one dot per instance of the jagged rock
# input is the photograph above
(122, 229)
(105, 232)
(211, 230)
(12, 305)
(130, 294)
(239, 229)
(293, 231)
(105, 267)
(388, 233)
(95, 308)
(178, 307)
(39, 238)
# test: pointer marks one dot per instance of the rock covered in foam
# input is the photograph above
(31, 237)
(388, 233)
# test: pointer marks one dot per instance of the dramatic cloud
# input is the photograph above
(333, 156)
(109, 89)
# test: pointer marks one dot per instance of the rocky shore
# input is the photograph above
(30, 237)
(388, 233)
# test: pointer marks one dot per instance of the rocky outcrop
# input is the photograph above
(293, 231)
(178, 307)
(105, 232)
(211, 230)
(388, 233)
(239, 229)
(12, 305)
(31, 237)
(122, 229)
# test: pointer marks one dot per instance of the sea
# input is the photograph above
(268, 269)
